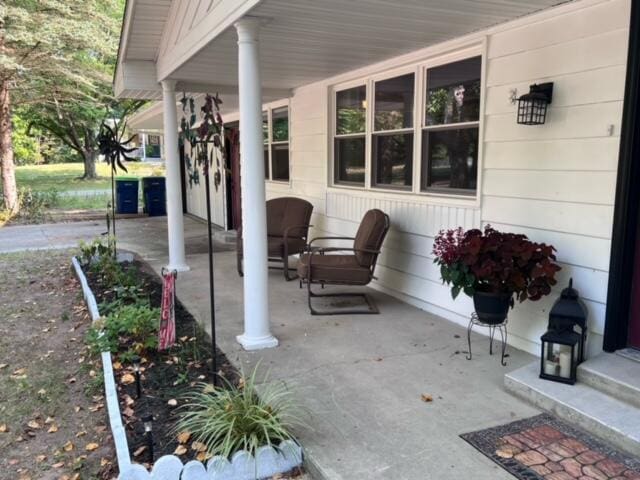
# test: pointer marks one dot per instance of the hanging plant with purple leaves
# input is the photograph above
(198, 138)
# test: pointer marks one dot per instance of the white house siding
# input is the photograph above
(555, 183)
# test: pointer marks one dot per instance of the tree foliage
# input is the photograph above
(59, 59)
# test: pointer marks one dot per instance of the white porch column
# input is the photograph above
(175, 224)
(254, 215)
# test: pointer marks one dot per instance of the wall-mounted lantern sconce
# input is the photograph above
(532, 106)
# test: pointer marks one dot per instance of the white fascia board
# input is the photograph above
(137, 76)
(220, 18)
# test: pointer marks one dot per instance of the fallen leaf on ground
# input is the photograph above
(128, 412)
(34, 424)
(53, 428)
(67, 447)
(3, 365)
(77, 409)
(202, 456)
(426, 397)
(127, 379)
(184, 437)
(42, 391)
(4, 428)
(172, 403)
(117, 365)
(139, 451)
(91, 447)
(48, 420)
(180, 450)
(128, 400)
(81, 434)
(58, 465)
(41, 458)
(104, 462)
(72, 380)
(198, 446)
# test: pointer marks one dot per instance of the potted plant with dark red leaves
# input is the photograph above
(494, 268)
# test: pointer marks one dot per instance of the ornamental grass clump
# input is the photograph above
(231, 418)
(495, 262)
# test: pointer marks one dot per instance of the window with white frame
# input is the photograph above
(350, 133)
(275, 131)
(451, 126)
(392, 138)
(439, 141)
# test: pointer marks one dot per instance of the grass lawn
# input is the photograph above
(67, 176)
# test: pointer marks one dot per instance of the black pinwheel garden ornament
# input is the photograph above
(115, 150)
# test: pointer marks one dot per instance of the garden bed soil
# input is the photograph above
(166, 378)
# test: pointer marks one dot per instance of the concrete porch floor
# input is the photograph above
(359, 378)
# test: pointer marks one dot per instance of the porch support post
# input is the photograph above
(175, 222)
(254, 214)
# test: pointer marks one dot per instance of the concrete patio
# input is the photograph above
(360, 378)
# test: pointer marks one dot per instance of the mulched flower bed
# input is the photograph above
(166, 376)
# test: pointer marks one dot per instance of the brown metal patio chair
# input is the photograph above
(322, 265)
(287, 229)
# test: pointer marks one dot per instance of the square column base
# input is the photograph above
(257, 343)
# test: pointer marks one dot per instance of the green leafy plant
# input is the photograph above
(229, 418)
(495, 262)
(34, 204)
(135, 326)
(91, 252)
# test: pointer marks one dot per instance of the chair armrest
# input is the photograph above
(345, 249)
(330, 238)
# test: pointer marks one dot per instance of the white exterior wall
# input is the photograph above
(555, 183)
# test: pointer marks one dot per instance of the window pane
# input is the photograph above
(351, 110)
(453, 92)
(450, 158)
(280, 125)
(280, 158)
(265, 127)
(266, 162)
(394, 103)
(392, 159)
(349, 158)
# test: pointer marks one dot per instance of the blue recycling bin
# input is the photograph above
(154, 195)
(126, 195)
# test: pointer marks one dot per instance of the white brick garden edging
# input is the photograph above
(269, 461)
(111, 393)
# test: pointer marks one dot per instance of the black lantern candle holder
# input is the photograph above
(135, 361)
(532, 106)
(147, 421)
(564, 343)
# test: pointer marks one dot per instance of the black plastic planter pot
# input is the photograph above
(491, 308)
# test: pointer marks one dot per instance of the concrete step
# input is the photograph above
(613, 374)
(602, 415)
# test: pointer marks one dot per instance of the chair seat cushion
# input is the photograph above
(275, 246)
(334, 268)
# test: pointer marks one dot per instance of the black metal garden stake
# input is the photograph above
(135, 360)
(147, 420)
(209, 132)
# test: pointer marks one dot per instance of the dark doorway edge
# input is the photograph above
(627, 201)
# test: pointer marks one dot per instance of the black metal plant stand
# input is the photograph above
(502, 327)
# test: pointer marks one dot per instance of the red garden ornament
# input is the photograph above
(167, 333)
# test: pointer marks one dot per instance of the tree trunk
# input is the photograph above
(89, 157)
(9, 188)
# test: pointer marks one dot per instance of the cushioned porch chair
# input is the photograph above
(321, 265)
(287, 229)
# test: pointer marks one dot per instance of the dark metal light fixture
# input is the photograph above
(532, 106)
(147, 420)
(135, 360)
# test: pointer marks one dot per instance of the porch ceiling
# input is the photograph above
(308, 40)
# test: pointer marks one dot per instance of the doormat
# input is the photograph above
(543, 447)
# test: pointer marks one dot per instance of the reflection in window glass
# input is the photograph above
(393, 159)
(452, 158)
(349, 160)
(453, 92)
(394, 103)
(280, 161)
(351, 110)
(265, 127)
(266, 162)
(280, 125)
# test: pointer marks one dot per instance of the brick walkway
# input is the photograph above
(555, 455)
